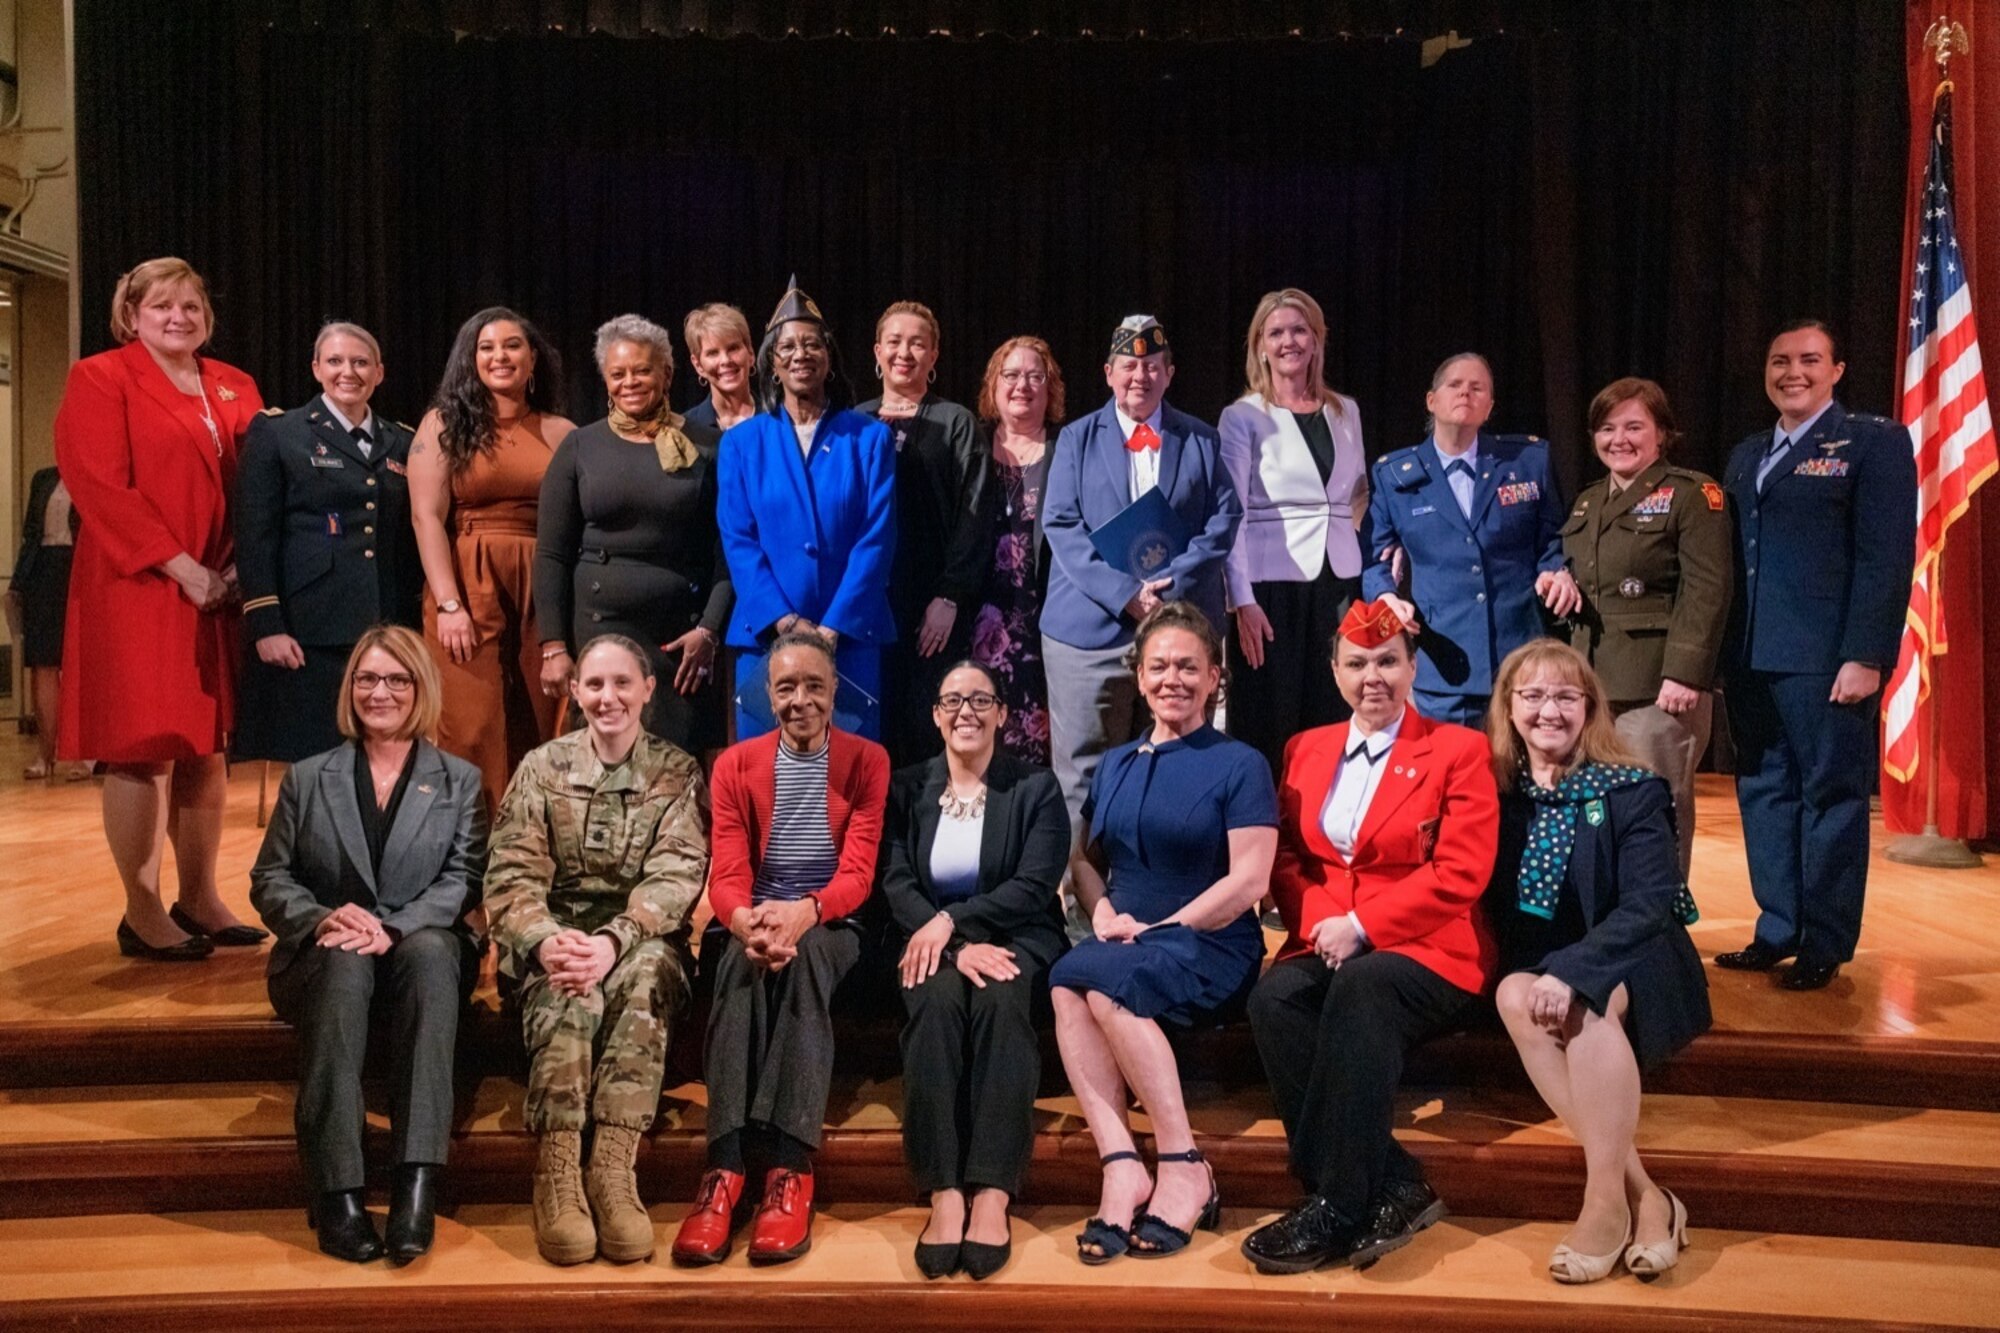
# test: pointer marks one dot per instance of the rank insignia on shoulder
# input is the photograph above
(407, 426)
(1519, 492)
(1661, 501)
(272, 412)
(1822, 467)
(1713, 494)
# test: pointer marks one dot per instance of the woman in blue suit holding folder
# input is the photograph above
(807, 509)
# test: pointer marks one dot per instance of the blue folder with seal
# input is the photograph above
(1144, 538)
(854, 709)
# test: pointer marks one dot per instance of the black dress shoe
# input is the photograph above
(190, 950)
(979, 1261)
(345, 1229)
(229, 937)
(413, 1211)
(1756, 956)
(1312, 1235)
(1399, 1210)
(1808, 976)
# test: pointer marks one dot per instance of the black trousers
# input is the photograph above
(1333, 1045)
(1294, 689)
(971, 1064)
(769, 1059)
(417, 990)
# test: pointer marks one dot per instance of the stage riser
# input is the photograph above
(1872, 1071)
(1811, 1196)
(954, 1306)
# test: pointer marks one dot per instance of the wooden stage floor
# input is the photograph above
(1928, 967)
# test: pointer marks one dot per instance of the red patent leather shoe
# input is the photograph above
(705, 1232)
(783, 1229)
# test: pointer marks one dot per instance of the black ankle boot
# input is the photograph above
(413, 1211)
(345, 1229)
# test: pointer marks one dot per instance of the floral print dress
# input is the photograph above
(1006, 634)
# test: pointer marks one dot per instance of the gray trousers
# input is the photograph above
(329, 996)
(769, 1059)
(1671, 745)
(1093, 705)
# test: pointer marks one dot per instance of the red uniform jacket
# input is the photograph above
(146, 676)
(1421, 861)
(743, 790)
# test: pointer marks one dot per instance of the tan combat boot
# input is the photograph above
(563, 1232)
(624, 1231)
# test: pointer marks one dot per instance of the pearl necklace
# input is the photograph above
(963, 807)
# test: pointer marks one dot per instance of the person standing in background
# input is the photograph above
(37, 600)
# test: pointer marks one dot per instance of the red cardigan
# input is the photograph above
(146, 676)
(743, 790)
(1423, 856)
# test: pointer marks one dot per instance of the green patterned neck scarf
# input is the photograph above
(1552, 835)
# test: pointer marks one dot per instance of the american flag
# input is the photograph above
(1945, 407)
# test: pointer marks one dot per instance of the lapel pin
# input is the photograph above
(425, 788)
(228, 395)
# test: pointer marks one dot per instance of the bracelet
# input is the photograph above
(550, 654)
(819, 908)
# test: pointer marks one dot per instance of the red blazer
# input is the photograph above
(1421, 861)
(743, 790)
(145, 675)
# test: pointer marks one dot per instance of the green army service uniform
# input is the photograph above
(619, 852)
(1653, 562)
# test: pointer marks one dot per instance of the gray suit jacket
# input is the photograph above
(315, 853)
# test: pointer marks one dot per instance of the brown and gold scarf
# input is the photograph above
(663, 428)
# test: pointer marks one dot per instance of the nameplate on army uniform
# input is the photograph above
(322, 458)
(1519, 492)
(1660, 501)
(1822, 467)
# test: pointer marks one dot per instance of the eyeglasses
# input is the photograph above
(1034, 379)
(1567, 700)
(981, 702)
(791, 351)
(398, 682)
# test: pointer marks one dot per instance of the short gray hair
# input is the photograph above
(336, 327)
(634, 329)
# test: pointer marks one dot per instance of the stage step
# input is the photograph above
(1886, 1071)
(1819, 1168)
(259, 1269)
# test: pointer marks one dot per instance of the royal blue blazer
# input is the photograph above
(1472, 580)
(1090, 483)
(809, 535)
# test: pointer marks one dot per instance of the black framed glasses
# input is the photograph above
(397, 681)
(981, 702)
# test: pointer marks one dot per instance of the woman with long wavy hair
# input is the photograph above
(475, 472)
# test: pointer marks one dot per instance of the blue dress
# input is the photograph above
(1162, 817)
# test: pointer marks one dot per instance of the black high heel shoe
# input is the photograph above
(345, 1229)
(413, 1211)
(190, 950)
(1153, 1237)
(229, 937)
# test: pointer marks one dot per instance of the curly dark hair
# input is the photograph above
(764, 375)
(464, 404)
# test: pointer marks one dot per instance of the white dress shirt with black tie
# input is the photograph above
(1347, 800)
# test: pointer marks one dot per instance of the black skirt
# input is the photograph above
(44, 604)
(285, 716)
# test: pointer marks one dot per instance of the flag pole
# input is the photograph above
(1944, 39)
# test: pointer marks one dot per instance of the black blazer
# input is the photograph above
(315, 852)
(39, 491)
(944, 540)
(1023, 851)
(1624, 873)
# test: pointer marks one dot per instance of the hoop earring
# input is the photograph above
(878, 371)
(531, 382)
(932, 377)
(702, 380)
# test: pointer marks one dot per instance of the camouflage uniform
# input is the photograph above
(622, 853)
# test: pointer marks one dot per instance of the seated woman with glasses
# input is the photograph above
(1599, 978)
(974, 848)
(373, 856)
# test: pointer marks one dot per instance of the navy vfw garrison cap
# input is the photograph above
(1138, 335)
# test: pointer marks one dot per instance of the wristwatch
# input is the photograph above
(447, 608)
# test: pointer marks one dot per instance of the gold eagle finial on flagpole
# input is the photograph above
(1944, 39)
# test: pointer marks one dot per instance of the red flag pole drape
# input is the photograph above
(1966, 680)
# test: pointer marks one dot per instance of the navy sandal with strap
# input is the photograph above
(1110, 1239)
(1154, 1237)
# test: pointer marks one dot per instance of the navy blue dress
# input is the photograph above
(1162, 817)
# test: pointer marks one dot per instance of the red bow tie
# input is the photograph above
(1143, 437)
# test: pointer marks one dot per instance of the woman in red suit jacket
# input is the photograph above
(146, 439)
(797, 821)
(1387, 828)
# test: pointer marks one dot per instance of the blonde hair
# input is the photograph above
(1558, 661)
(342, 328)
(138, 282)
(713, 321)
(1257, 370)
(921, 311)
(426, 697)
(989, 399)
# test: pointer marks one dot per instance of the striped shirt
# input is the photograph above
(799, 857)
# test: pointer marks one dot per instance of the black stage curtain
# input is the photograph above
(1645, 188)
